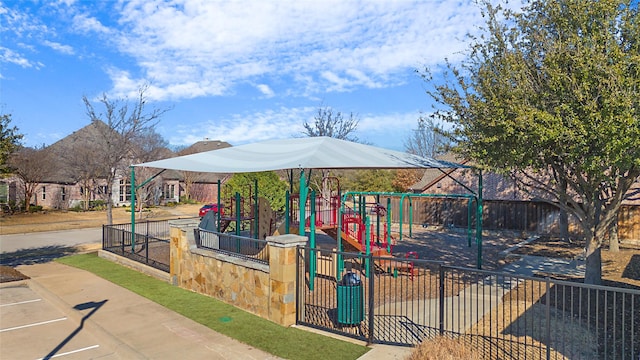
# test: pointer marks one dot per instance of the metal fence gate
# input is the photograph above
(402, 301)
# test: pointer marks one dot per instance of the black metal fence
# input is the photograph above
(151, 245)
(237, 246)
(500, 315)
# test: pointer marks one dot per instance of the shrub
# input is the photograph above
(444, 348)
(35, 208)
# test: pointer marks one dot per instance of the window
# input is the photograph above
(44, 193)
(63, 193)
(169, 191)
(4, 192)
(125, 191)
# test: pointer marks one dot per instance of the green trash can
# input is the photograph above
(350, 300)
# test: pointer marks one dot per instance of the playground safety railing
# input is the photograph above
(500, 315)
(151, 246)
(237, 246)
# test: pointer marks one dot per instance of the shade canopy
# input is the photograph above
(297, 153)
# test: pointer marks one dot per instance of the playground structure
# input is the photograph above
(357, 221)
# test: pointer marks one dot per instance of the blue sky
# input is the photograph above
(240, 71)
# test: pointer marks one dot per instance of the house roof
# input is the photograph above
(495, 186)
(200, 146)
(298, 153)
(433, 176)
(70, 144)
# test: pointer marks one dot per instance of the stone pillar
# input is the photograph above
(282, 269)
(182, 240)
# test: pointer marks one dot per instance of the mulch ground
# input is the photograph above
(8, 274)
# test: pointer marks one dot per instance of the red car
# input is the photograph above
(210, 207)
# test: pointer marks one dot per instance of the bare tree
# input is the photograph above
(149, 146)
(125, 124)
(32, 167)
(190, 177)
(427, 140)
(332, 124)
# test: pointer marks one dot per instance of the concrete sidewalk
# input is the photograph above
(137, 328)
(131, 325)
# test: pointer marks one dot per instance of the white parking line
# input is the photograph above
(34, 324)
(71, 352)
(21, 302)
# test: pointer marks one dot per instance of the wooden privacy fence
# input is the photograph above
(527, 216)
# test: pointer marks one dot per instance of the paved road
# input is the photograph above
(15, 242)
(40, 247)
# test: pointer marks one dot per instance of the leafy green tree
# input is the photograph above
(9, 140)
(269, 186)
(552, 94)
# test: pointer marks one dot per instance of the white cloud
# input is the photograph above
(65, 49)
(237, 129)
(10, 56)
(85, 23)
(247, 127)
(319, 45)
(265, 90)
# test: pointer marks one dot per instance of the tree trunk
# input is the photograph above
(564, 225)
(614, 243)
(593, 270)
(109, 210)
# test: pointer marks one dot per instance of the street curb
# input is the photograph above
(119, 348)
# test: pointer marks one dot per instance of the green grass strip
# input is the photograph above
(288, 343)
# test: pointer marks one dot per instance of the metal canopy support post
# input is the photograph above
(218, 216)
(287, 212)
(469, 212)
(238, 214)
(133, 202)
(312, 241)
(133, 209)
(256, 213)
(479, 220)
(302, 202)
(389, 225)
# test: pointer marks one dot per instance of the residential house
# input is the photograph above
(72, 182)
(506, 206)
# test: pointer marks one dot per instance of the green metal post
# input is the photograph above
(479, 220)
(303, 202)
(401, 214)
(219, 225)
(367, 225)
(469, 210)
(388, 225)
(287, 214)
(312, 240)
(410, 217)
(238, 217)
(340, 266)
(256, 213)
(133, 209)
(378, 220)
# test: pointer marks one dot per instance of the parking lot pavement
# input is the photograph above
(31, 327)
